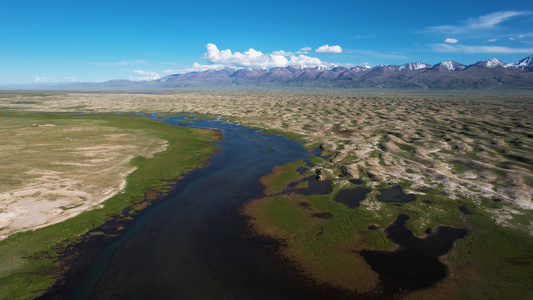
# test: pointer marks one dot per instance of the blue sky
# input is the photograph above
(57, 41)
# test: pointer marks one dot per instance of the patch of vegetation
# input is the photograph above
(27, 258)
(277, 181)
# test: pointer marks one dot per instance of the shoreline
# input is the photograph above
(76, 258)
(48, 256)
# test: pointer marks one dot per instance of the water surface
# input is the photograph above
(415, 265)
(195, 245)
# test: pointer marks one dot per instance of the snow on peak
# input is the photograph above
(414, 66)
(493, 62)
(450, 65)
(521, 64)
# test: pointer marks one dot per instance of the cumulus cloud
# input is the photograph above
(250, 58)
(451, 41)
(147, 75)
(282, 53)
(257, 59)
(329, 49)
(305, 61)
(491, 40)
(478, 49)
(71, 78)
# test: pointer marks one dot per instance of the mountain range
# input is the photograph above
(488, 74)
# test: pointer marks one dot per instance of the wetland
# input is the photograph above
(440, 178)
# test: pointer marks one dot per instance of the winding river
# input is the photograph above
(194, 245)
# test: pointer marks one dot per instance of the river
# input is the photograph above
(195, 244)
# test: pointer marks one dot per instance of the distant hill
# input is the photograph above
(489, 74)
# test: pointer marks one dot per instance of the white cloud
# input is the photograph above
(71, 78)
(451, 41)
(257, 59)
(483, 22)
(148, 75)
(282, 53)
(329, 49)
(494, 19)
(250, 58)
(306, 49)
(42, 78)
(305, 61)
(491, 40)
(478, 49)
(196, 67)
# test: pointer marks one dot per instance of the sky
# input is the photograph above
(45, 41)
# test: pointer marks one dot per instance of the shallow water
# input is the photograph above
(415, 265)
(395, 195)
(314, 187)
(352, 197)
(195, 245)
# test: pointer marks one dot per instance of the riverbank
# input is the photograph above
(31, 259)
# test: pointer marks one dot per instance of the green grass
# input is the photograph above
(290, 135)
(277, 181)
(27, 260)
(499, 255)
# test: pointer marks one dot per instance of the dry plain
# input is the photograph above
(470, 149)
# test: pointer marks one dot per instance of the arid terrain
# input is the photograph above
(467, 157)
(472, 145)
(54, 171)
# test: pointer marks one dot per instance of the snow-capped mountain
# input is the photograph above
(414, 66)
(493, 63)
(449, 65)
(488, 74)
(526, 63)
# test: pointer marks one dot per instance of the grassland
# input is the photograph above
(449, 149)
(80, 164)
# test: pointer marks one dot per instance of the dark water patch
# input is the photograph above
(353, 197)
(373, 227)
(355, 181)
(496, 200)
(395, 195)
(314, 187)
(301, 170)
(415, 265)
(304, 204)
(464, 210)
(428, 230)
(323, 215)
(428, 201)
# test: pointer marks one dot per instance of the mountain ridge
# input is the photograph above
(487, 74)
